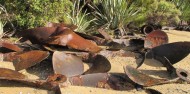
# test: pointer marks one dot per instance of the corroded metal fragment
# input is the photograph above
(98, 40)
(90, 80)
(141, 78)
(9, 46)
(100, 64)
(24, 60)
(66, 37)
(38, 35)
(9, 74)
(52, 82)
(155, 38)
(105, 34)
(183, 74)
(67, 64)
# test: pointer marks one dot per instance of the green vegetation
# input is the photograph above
(80, 18)
(110, 14)
(114, 14)
(34, 13)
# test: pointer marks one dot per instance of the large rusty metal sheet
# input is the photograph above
(10, 46)
(24, 60)
(37, 35)
(141, 78)
(67, 64)
(66, 37)
(155, 38)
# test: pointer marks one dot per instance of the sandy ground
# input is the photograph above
(117, 67)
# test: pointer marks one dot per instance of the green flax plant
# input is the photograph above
(115, 14)
(80, 18)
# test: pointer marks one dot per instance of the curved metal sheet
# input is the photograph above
(10, 46)
(90, 80)
(67, 64)
(67, 37)
(155, 38)
(24, 60)
(141, 78)
(9, 74)
(38, 35)
(100, 64)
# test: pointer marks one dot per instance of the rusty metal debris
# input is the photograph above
(67, 37)
(62, 36)
(77, 48)
(146, 29)
(52, 82)
(91, 80)
(9, 74)
(98, 40)
(37, 35)
(167, 55)
(100, 65)
(141, 78)
(67, 64)
(24, 60)
(4, 46)
(183, 74)
(105, 34)
(126, 44)
(155, 38)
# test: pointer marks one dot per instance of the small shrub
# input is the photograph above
(34, 13)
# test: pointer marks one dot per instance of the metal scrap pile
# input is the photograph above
(67, 51)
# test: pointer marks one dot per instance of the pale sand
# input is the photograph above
(117, 66)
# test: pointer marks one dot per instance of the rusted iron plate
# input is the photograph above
(38, 35)
(51, 24)
(67, 37)
(100, 64)
(10, 46)
(24, 60)
(141, 78)
(155, 38)
(90, 80)
(9, 74)
(67, 64)
(183, 74)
